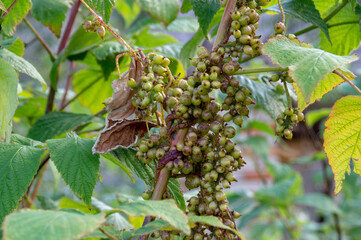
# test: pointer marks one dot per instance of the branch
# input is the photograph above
(67, 84)
(107, 234)
(259, 70)
(7, 10)
(347, 80)
(225, 23)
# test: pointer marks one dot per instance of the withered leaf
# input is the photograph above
(120, 133)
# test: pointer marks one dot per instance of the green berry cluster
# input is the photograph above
(286, 121)
(94, 26)
(283, 77)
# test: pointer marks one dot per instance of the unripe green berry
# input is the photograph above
(131, 83)
(279, 27)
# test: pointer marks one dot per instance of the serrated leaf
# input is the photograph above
(103, 7)
(164, 209)
(22, 65)
(54, 225)
(51, 13)
(162, 10)
(308, 66)
(331, 81)
(111, 158)
(213, 221)
(319, 201)
(75, 161)
(56, 123)
(17, 47)
(265, 96)
(8, 98)
(304, 10)
(90, 81)
(15, 15)
(18, 166)
(205, 10)
(343, 138)
(342, 45)
(21, 140)
(146, 172)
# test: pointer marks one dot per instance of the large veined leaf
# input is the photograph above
(51, 13)
(205, 10)
(56, 123)
(323, 5)
(8, 98)
(15, 15)
(146, 173)
(18, 165)
(163, 10)
(304, 10)
(103, 7)
(265, 96)
(18, 139)
(308, 66)
(50, 225)
(331, 81)
(343, 138)
(22, 65)
(342, 45)
(213, 221)
(164, 209)
(17, 47)
(75, 161)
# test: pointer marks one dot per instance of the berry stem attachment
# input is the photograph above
(282, 12)
(289, 101)
(347, 80)
(259, 70)
(119, 38)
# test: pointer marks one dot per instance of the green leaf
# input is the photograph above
(319, 201)
(22, 65)
(51, 13)
(18, 166)
(265, 96)
(190, 48)
(75, 161)
(260, 126)
(8, 98)
(31, 108)
(55, 225)
(128, 9)
(15, 15)
(353, 4)
(111, 158)
(163, 209)
(324, 5)
(343, 138)
(213, 221)
(2, 6)
(186, 6)
(68, 203)
(90, 81)
(308, 66)
(103, 7)
(162, 10)
(21, 140)
(342, 45)
(149, 228)
(205, 10)
(304, 10)
(146, 38)
(17, 47)
(313, 116)
(81, 41)
(331, 81)
(146, 173)
(259, 146)
(56, 123)
(181, 24)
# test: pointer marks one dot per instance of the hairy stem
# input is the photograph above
(282, 12)
(42, 41)
(7, 10)
(259, 70)
(348, 80)
(289, 101)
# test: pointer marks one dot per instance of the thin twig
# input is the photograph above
(38, 183)
(7, 10)
(107, 234)
(289, 101)
(42, 41)
(119, 38)
(347, 80)
(259, 70)
(67, 84)
(282, 12)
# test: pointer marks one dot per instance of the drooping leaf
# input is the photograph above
(22, 65)
(213, 221)
(319, 201)
(342, 45)
(8, 98)
(331, 81)
(308, 66)
(162, 10)
(55, 225)
(304, 10)
(51, 13)
(56, 123)
(15, 15)
(18, 164)
(75, 161)
(21, 140)
(205, 10)
(146, 173)
(111, 158)
(190, 48)
(265, 96)
(343, 138)
(164, 209)
(103, 7)
(17, 47)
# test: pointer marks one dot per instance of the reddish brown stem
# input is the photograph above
(347, 80)
(7, 10)
(67, 84)
(38, 183)
(225, 23)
